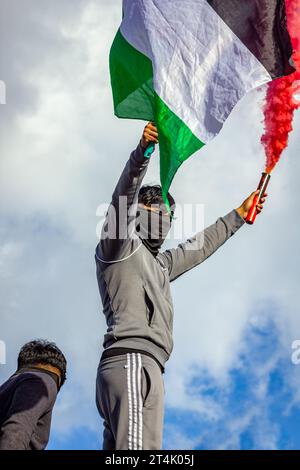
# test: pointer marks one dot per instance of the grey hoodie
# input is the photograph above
(133, 284)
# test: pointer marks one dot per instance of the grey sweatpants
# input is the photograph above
(130, 399)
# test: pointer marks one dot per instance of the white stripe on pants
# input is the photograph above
(135, 401)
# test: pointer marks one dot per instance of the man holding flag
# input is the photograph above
(134, 281)
(184, 66)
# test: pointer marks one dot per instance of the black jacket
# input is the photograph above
(26, 403)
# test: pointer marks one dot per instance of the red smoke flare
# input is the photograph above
(281, 99)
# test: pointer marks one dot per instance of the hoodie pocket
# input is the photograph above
(150, 311)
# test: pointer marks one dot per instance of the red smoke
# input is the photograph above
(281, 99)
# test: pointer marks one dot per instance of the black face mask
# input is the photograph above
(152, 227)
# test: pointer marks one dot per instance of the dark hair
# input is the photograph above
(43, 352)
(150, 195)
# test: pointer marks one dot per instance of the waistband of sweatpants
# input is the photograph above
(141, 343)
(118, 351)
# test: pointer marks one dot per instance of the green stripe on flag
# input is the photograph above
(135, 98)
(176, 143)
(132, 81)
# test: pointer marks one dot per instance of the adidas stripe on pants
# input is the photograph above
(130, 399)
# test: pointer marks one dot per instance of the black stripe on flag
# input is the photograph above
(261, 25)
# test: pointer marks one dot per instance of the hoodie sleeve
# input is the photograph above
(121, 213)
(198, 248)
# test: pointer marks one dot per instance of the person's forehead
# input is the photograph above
(159, 207)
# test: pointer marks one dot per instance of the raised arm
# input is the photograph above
(122, 210)
(200, 247)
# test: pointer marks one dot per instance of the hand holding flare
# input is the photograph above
(253, 201)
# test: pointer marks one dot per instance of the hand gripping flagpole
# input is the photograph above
(149, 150)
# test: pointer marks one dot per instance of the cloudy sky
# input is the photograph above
(230, 383)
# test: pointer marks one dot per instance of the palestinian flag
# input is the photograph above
(185, 64)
